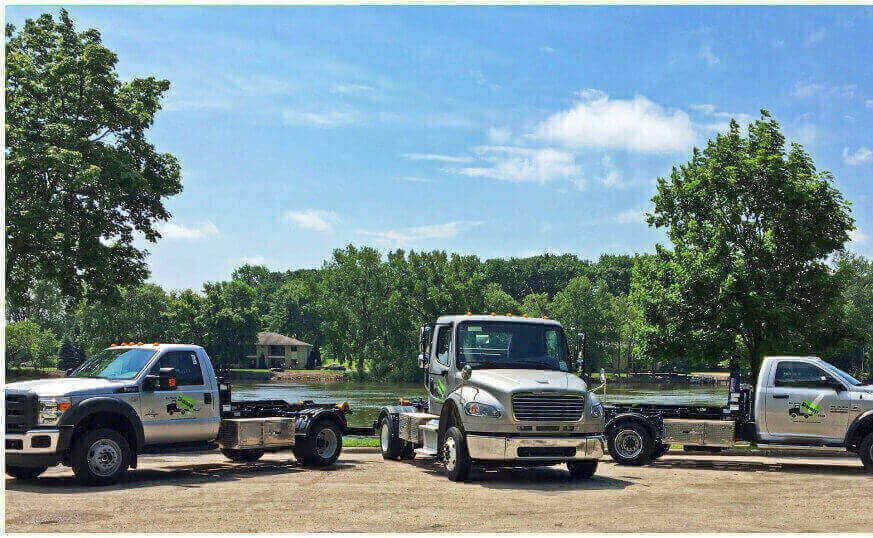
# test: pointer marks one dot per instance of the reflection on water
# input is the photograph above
(366, 399)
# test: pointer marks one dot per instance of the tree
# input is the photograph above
(28, 345)
(498, 301)
(68, 357)
(586, 308)
(81, 175)
(751, 225)
(229, 318)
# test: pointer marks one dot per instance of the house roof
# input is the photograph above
(276, 339)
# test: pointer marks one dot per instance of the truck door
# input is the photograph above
(803, 403)
(439, 369)
(189, 413)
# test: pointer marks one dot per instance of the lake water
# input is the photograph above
(366, 399)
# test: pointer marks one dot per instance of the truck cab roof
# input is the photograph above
(158, 347)
(456, 318)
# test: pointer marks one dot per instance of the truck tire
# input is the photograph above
(866, 452)
(391, 445)
(582, 470)
(322, 446)
(101, 457)
(242, 456)
(25, 473)
(456, 458)
(629, 444)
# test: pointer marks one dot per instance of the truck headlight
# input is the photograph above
(51, 409)
(477, 409)
(595, 408)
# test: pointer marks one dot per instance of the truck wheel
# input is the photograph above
(582, 470)
(866, 452)
(24, 473)
(455, 456)
(390, 443)
(101, 457)
(242, 456)
(322, 446)
(630, 444)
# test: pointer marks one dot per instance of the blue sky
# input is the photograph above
(491, 131)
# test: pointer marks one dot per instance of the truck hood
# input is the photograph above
(509, 380)
(68, 386)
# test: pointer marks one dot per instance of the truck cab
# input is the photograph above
(500, 391)
(805, 400)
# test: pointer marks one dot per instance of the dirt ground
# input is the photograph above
(206, 493)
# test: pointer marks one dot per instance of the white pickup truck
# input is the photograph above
(135, 399)
(798, 402)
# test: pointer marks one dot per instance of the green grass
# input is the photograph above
(360, 441)
(250, 370)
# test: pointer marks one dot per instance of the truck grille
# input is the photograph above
(544, 406)
(21, 411)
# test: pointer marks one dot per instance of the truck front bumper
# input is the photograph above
(33, 447)
(500, 448)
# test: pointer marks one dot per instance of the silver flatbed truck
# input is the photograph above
(797, 403)
(134, 399)
(500, 392)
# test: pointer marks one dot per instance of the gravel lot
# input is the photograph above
(206, 493)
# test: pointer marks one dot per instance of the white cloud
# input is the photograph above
(611, 176)
(408, 236)
(807, 89)
(523, 164)
(252, 260)
(869, 103)
(816, 36)
(414, 179)
(172, 230)
(436, 157)
(705, 53)
(352, 89)
(328, 119)
(634, 216)
(448, 120)
(499, 135)
(312, 219)
(856, 237)
(704, 108)
(718, 120)
(548, 50)
(637, 124)
(860, 155)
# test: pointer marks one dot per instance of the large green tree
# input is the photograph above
(81, 176)
(752, 223)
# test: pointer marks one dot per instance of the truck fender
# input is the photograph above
(80, 412)
(311, 416)
(862, 424)
(393, 414)
(450, 407)
(652, 424)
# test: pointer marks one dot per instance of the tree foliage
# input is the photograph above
(752, 225)
(81, 176)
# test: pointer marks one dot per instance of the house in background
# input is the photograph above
(274, 350)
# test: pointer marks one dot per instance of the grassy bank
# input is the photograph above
(360, 441)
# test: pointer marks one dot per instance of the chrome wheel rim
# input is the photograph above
(450, 454)
(628, 444)
(385, 436)
(326, 443)
(104, 457)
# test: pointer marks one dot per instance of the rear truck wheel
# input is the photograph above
(101, 457)
(660, 451)
(390, 443)
(242, 456)
(322, 446)
(24, 473)
(630, 444)
(456, 459)
(582, 470)
(866, 452)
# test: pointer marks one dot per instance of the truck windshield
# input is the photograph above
(511, 345)
(115, 364)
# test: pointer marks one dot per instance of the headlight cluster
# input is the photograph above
(595, 408)
(477, 409)
(51, 409)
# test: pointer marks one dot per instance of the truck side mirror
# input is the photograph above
(424, 339)
(164, 380)
(423, 360)
(466, 372)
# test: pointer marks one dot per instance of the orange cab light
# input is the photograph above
(156, 344)
(112, 345)
(469, 313)
(139, 343)
(509, 315)
(493, 314)
(525, 316)
(343, 406)
(545, 317)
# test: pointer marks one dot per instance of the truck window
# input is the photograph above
(799, 374)
(186, 364)
(444, 340)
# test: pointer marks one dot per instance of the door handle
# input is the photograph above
(780, 396)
